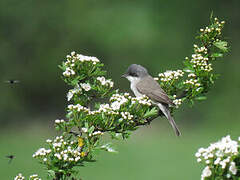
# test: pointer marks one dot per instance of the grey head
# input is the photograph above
(135, 70)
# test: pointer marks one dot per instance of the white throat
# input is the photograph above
(134, 81)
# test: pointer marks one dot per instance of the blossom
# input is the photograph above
(61, 149)
(233, 168)
(200, 62)
(177, 102)
(41, 152)
(58, 121)
(68, 72)
(34, 177)
(19, 177)
(72, 92)
(105, 82)
(206, 172)
(219, 154)
(192, 82)
(85, 86)
(126, 115)
(115, 105)
(74, 57)
(170, 75)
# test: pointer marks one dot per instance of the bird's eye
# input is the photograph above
(134, 74)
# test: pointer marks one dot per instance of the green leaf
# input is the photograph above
(222, 45)
(108, 147)
(151, 112)
(51, 173)
(201, 98)
(217, 55)
(188, 70)
(91, 129)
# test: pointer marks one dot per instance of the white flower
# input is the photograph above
(85, 86)
(34, 177)
(206, 172)
(48, 140)
(115, 105)
(171, 75)
(217, 161)
(58, 156)
(19, 177)
(77, 159)
(207, 161)
(191, 75)
(68, 72)
(126, 115)
(97, 133)
(233, 168)
(105, 82)
(41, 152)
(177, 102)
(58, 121)
(71, 92)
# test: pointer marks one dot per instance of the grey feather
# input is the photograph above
(153, 90)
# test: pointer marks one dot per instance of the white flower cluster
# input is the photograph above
(68, 72)
(200, 49)
(201, 62)
(206, 172)
(105, 82)
(78, 108)
(117, 100)
(144, 100)
(42, 152)
(71, 92)
(79, 57)
(86, 86)
(19, 177)
(59, 121)
(95, 133)
(192, 75)
(34, 177)
(177, 102)
(106, 108)
(192, 82)
(73, 58)
(170, 75)
(126, 115)
(62, 150)
(219, 154)
(212, 29)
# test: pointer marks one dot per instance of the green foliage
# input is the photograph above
(197, 77)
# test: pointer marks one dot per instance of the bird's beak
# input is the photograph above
(124, 75)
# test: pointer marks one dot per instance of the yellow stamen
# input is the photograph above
(80, 142)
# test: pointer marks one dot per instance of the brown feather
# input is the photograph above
(152, 89)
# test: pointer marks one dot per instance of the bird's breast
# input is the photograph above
(135, 91)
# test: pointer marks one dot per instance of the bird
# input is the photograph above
(11, 157)
(12, 81)
(141, 83)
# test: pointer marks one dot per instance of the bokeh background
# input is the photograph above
(35, 36)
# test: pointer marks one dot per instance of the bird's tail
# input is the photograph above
(167, 113)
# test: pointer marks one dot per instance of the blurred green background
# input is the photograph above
(35, 36)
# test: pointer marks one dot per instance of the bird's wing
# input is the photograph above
(153, 90)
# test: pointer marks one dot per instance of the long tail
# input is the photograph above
(167, 113)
